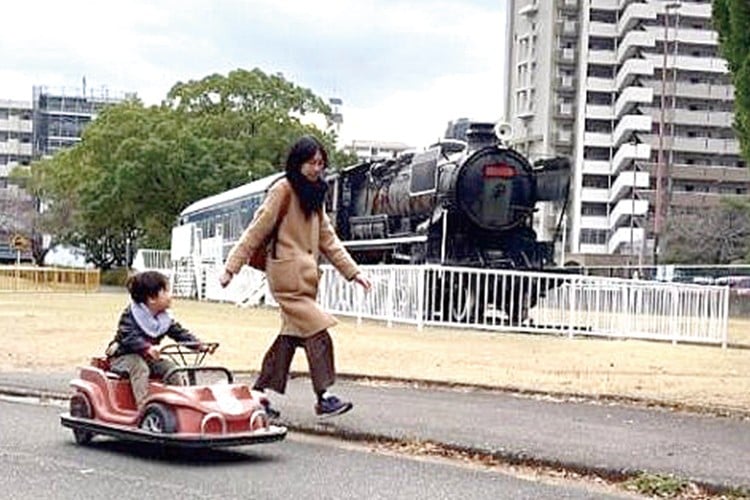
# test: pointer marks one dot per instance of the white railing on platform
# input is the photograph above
(499, 300)
(533, 302)
(152, 260)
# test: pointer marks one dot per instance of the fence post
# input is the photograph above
(674, 315)
(420, 296)
(391, 290)
(725, 320)
(571, 310)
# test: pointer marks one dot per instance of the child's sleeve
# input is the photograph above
(178, 333)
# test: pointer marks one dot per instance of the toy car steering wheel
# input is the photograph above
(180, 352)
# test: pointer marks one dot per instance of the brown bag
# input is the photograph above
(259, 257)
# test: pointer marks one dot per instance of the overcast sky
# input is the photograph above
(403, 68)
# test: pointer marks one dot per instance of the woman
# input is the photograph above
(293, 211)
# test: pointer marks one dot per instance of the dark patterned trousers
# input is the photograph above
(275, 369)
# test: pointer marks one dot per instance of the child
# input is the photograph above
(143, 324)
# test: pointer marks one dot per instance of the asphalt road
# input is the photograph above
(579, 435)
(40, 461)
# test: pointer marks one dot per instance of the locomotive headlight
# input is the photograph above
(495, 189)
(502, 170)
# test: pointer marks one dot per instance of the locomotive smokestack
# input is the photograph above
(480, 135)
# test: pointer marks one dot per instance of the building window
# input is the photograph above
(594, 236)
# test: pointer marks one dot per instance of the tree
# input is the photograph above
(17, 211)
(137, 167)
(719, 235)
(732, 20)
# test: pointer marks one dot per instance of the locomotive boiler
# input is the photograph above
(459, 203)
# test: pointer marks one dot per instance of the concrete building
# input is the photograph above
(633, 91)
(15, 136)
(366, 149)
(60, 115)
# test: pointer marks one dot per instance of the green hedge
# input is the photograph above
(115, 277)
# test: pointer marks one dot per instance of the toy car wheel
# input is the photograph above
(159, 419)
(80, 407)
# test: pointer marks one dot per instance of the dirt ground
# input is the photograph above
(58, 331)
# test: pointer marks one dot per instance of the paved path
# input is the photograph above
(605, 438)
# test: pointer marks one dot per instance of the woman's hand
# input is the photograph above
(225, 278)
(363, 280)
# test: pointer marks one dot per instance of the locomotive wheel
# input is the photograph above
(159, 419)
(80, 407)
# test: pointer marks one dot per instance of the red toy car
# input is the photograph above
(220, 413)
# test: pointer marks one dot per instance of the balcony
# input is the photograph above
(690, 63)
(597, 139)
(629, 124)
(600, 29)
(712, 174)
(566, 55)
(594, 222)
(601, 57)
(695, 90)
(633, 68)
(703, 119)
(571, 5)
(698, 144)
(599, 112)
(631, 97)
(598, 84)
(605, 4)
(15, 147)
(16, 124)
(633, 42)
(624, 236)
(594, 195)
(626, 208)
(624, 183)
(596, 167)
(629, 152)
(564, 137)
(634, 14)
(566, 82)
(565, 109)
(567, 28)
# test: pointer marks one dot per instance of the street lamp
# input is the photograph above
(661, 167)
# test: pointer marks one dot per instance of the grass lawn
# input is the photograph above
(58, 331)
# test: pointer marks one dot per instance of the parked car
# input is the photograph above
(739, 285)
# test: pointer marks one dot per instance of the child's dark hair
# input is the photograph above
(146, 284)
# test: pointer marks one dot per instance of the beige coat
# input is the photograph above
(294, 274)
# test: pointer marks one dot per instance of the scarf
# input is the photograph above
(311, 195)
(153, 326)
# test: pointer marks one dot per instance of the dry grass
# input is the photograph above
(56, 332)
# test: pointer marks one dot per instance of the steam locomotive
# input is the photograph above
(465, 203)
(461, 203)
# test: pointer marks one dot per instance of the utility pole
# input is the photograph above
(661, 167)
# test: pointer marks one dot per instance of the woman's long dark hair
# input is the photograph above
(311, 194)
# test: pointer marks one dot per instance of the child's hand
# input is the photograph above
(152, 352)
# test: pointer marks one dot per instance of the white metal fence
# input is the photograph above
(500, 300)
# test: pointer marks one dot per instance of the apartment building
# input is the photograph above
(636, 94)
(15, 136)
(60, 115)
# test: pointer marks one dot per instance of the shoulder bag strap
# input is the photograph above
(275, 233)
